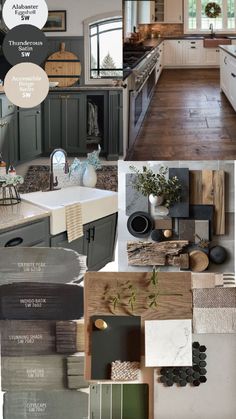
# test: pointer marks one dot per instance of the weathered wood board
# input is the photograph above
(207, 187)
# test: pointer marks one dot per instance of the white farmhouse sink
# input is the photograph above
(95, 204)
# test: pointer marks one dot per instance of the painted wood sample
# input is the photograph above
(34, 373)
(181, 209)
(45, 405)
(75, 372)
(120, 341)
(168, 343)
(135, 201)
(37, 301)
(39, 264)
(207, 187)
(163, 223)
(40, 337)
(178, 306)
(119, 401)
(203, 212)
(153, 253)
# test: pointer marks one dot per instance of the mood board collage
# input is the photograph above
(117, 202)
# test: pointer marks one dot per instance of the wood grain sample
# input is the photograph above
(120, 341)
(152, 253)
(37, 301)
(207, 187)
(40, 264)
(45, 405)
(34, 373)
(178, 306)
(181, 209)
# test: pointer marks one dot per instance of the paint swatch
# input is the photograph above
(41, 337)
(30, 301)
(46, 405)
(75, 372)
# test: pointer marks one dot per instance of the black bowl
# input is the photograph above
(140, 224)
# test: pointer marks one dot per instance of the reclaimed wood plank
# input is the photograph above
(195, 187)
(219, 202)
(154, 254)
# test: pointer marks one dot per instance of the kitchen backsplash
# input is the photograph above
(164, 29)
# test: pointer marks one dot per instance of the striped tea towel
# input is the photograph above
(229, 280)
(74, 224)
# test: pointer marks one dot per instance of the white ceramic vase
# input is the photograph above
(90, 177)
(156, 201)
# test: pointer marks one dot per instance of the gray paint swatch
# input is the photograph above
(46, 405)
(50, 265)
(135, 201)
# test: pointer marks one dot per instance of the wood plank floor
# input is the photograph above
(188, 119)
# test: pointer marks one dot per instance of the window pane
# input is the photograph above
(93, 30)
(231, 14)
(93, 56)
(192, 14)
(206, 21)
(109, 26)
(111, 56)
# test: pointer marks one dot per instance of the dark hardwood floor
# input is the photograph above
(188, 119)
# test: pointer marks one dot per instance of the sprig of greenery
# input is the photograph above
(149, 183)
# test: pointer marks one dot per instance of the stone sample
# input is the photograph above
(135, 201)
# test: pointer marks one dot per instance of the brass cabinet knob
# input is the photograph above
(100, 324)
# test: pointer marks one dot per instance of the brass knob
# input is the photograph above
(100, 324)
(168, 234)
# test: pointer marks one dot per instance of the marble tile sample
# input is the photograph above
(168, 343)
(135, 201)
(181, 209)
(213, 400)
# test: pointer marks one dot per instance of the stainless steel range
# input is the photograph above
(141, 85)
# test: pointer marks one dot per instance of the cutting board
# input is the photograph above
(63, 67)
(207, 187)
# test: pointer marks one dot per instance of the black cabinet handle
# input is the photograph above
(225, 59)
(87, 235)
(38, 112)
(193, 42)
(233, 75)
(193, 47)
(14, 242)
(93, 233)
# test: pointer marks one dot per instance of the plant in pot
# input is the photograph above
(159, 189)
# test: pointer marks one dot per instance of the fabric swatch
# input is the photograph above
(214, 320)
(217, 297)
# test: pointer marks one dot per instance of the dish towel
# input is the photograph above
(74, 224)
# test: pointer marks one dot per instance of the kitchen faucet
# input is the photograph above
(54, 183)
(212, 30)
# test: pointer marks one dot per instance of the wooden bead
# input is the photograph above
(168, 234)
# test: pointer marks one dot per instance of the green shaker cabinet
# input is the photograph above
(30, 133)
(9, 139)
(97, 243)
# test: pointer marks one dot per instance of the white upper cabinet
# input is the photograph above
(146, 11)
(173, 11)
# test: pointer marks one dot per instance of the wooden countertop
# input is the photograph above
(22, 213)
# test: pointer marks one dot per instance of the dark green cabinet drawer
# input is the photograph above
(28, 235)
(9, 139)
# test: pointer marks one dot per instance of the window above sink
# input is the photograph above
(196, 20)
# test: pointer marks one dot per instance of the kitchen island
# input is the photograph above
(228, 72)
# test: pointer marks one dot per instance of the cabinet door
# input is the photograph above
(232, 82)
(52, 121)
(74, 123)
(173, 11)
(146, 11)
(115, 133)
(80, 245)
(211, 56)
(102, 242)
(169, 53)
(9, 139)
(224, 72)
(30, 133)
(193, 53)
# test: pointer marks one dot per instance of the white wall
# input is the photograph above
(78, 10)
